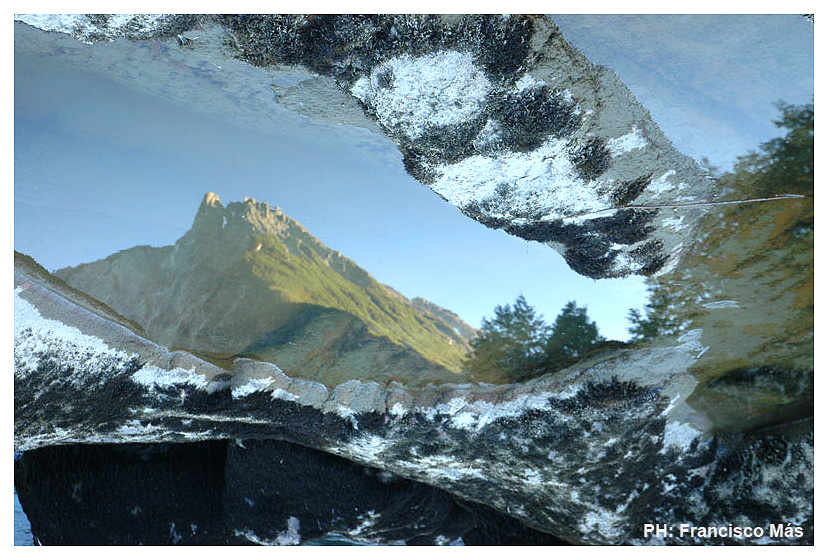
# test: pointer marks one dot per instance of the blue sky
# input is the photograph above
(100, 167)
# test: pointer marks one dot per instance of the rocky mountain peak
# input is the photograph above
(212, 200)
(240, 224)
(247, 279)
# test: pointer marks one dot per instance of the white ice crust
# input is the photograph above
(414, 93)
(88, 359)
(80, 25)
(631, 141)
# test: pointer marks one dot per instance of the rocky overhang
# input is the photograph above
(588, 455)
(498, 115)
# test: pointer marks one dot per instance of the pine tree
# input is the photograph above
(510, 345)
(784, 165)
(573, 335)
(658, 319)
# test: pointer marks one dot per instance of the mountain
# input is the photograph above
(248, 280)
(448, 317)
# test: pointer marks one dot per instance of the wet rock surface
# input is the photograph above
(588, 455)
(712, 429)
(499, 116)
(496, 114)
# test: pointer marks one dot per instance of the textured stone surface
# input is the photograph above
(241, 492)
(502, 118)
(587, 455)
(496, 114)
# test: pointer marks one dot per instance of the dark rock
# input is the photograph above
(592, 158)
(239, 492)
(152, 494)
(587, 455)
(473, 102)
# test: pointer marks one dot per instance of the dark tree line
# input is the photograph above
(783, 165)
(517, 344)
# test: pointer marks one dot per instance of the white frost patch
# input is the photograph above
(368, 520)
(672, 261)
(463, 420)
(512, 408)
(691, 340)
(414, 93)
(670, 406)
(442, 540)
(397, 410)
(662, 184)
(134, 427)
(675, 224)
(533, 477)
(252, 386)
(623, 262)
(289, 537)
(152, 377)
(452, 407)
(725, 304)
(88, 358)
(622, 507)
(527, 81)
(283, 395)
(541, 182)
(569, 391)
(579, 220)
(79, 24)
(444, 467)
(346, 414)
(603, 521)
(26, 316)
(678, 434)
(477, 414)
(631, 141)
(370, 448)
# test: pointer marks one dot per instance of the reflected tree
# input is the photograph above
(783, 165)
(573, 335)
(659, 317)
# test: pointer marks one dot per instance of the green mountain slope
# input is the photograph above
(248, 279)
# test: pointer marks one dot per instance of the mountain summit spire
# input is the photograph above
(212, 199)
(248, 280)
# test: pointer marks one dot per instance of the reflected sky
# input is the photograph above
(101, 167)
(709, 81)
